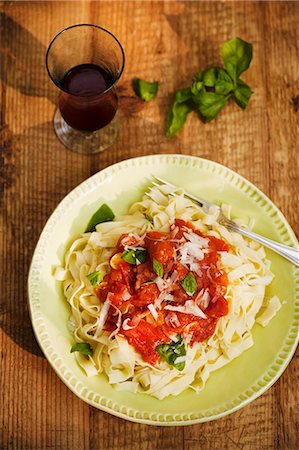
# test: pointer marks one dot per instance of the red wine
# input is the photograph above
(83, 103)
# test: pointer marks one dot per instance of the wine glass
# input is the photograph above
(85, 62)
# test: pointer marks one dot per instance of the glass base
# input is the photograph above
(85, 142)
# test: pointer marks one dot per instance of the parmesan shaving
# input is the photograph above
(172, 320)
(153, 311)
(103, 315)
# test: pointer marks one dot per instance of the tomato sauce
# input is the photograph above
(133, 288)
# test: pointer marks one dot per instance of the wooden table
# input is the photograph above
(166, 41)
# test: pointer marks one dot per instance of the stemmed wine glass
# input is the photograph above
(85, 62)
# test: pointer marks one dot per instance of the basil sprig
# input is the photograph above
(158, 268)
(103, 214)
(95, 278)
(213, 87)
(134, 256)
(189, 284)
(146, 90)
(172, 351)
(83, 348)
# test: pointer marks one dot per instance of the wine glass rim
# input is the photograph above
(85, 25)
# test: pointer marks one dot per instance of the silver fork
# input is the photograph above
(289, 253)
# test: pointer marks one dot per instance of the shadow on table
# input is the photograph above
(26, 205)
(24, 71)
(23, 60)
(23, 219)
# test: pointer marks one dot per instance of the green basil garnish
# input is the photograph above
(134, 256)
(209, 104)
(171, 351)
(103, 214)
(242, 94)
(158, 268)
(189, 284)
(95, 278)
(83, 348)
(209, 76)
(224, 84)
(237, 56)
(146, 90)
(179, 109)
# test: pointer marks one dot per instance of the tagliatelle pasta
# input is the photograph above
(152, 298)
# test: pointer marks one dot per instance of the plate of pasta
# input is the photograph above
(148, 308)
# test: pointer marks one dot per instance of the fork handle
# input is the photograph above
(290, 253)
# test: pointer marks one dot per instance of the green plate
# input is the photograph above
(227, 389)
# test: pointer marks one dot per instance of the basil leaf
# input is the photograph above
(189, 284)
(209, 104)
(180, 107)
(196, 87)
(197, 83)
(224, 84)
(242, 94)
(129, 256)
(95, 278)
(198, 77)
(210, 76)
(134, 256)
(237, 56)
(141, 255)
(146, 90)
(148, 218)
(158, 268)
(172, 351)
(103, 214)
(82, 347)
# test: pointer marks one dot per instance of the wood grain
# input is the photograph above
(166, 41)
